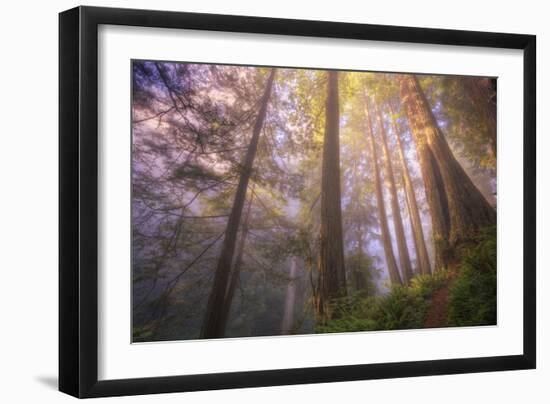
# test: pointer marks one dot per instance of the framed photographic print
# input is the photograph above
(250, 201)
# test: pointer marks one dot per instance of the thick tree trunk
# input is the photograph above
(433, 182)
(235, 272)
(290, 300)
(332, 277)
(393, 271)
(412, 205)
(479, 91)
(212, 325)
(468, 210)
(402, 249)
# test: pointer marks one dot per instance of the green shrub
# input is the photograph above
(473, 296)
(404, 307)
(354, 314)
(426, 285)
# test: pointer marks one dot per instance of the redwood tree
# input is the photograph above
(404, 258)
(332, 278)
(412, 205)
(458, 208)
(480, 92)
(393, 271)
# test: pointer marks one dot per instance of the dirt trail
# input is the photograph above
(437, 314)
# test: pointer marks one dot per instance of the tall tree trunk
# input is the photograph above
(479, 91)
(402, 249)
(212, 325)
(332, 277)
(393, 271)
(290, 300)
(468, 210)
(416, 247)
(414, 214)
(235, 272)
(433, 182)
(358, 279)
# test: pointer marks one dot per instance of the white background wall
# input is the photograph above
(28, 200)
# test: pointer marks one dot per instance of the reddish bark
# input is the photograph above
(332, 278)
(402, 249)
(416, 223)
(391, 264)
(458, 208)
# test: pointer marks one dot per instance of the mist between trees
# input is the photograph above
(269, 201)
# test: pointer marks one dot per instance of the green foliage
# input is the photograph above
(355, 314)
(466, 126)
(363, 275)
(473, 296)
(426, 285)
(404, 307)
(191, 129)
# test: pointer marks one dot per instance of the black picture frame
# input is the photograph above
(78, 201)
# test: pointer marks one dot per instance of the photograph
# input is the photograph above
(272, 201)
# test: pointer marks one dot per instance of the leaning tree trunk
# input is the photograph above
(402, 249)
(235, 272)
(433, 181)
(290, 300)
(393, 271)
(414, 214)
(468, 210)
(212, 325)
(332, 278)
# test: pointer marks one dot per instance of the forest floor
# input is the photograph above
(437, 313)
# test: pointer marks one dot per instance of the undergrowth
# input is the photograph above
(471, 299)
(473, 295)
(404, 307)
